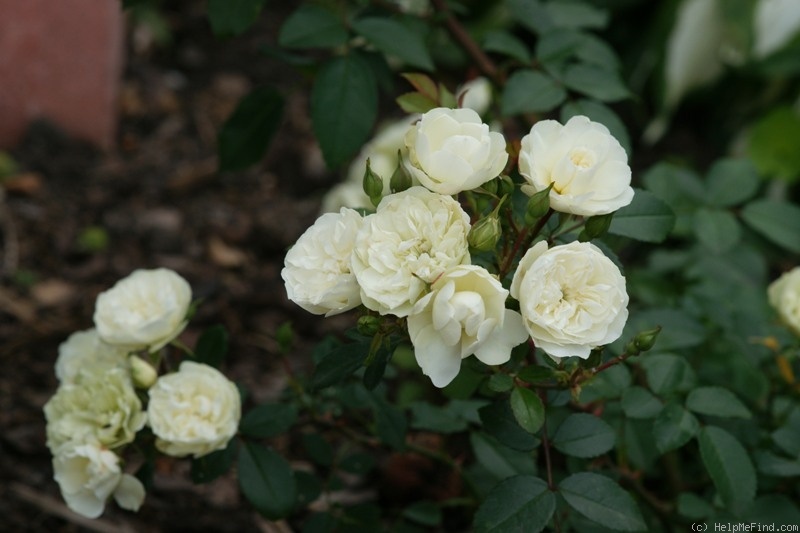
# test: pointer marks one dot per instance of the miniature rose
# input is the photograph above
(464, 314)
(147, 309)
(413, 238)
(572, 298)
(88, 475)
(451, 150)
(586, 165)
(99, 406)
(476, 94)
(84, 348)
(317, 271)
(194, 411)
(784, 297)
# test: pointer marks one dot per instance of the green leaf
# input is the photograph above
(772, 464)
(505, 43)
(679, 330)
(692, 506)
(390, 423)
(424, 512)
(667, 373)
(318, 449)
(233, 17)
(527, 408)
(717, 230)
(245, 136)
(787, 437)
(428, 417)
(499, 459)
(729, 466)
(528, 91)
(774, 509)
(716, 401)
(731, 182)
(600, 499)
(646, 218)
(532, 14)
(344, 104)
(209, 467)
(499, 421)
(393, 38)
(674, 427)
(268, 420)
(773, 144)
(639, 444)
(572, 14)
(584, 435)
(777, 221)
(556, 47)
(339, 364)
(536, 374)
(500, 382)
(638, 402)
(212, 346)
(598, 113)
(595, 82)
(358, 463)
(415, 102)
(519, 503)
(267, 481)
(312, 26)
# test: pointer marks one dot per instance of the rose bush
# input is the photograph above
(586, 166)
(194, 411)
(572, 298)
(317, 271)
(144, 310)
(784, 297)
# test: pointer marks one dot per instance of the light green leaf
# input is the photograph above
(528, 91)
(599, 113)
(717, 230)
(596, 82)
(602, 500)
(246, 134)
(344, 104)
(268, 420)
(674, 427)
(415, 102)
(729, 466)
(731, 182)
(266, 480)
(519, 503)
(503, 42)
(527, 408)
(716, 401)
(312, 26)
(777, 221)
(646, 218)
(233, 17)
(638, 402)
(584, 435)
(393, 38)
(773, 144)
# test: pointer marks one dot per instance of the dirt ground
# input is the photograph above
(161, 202)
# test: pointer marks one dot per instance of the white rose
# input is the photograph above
(586, 165)
(572, 298)
(784, 296)
(84, 348)
(88, 474)
(414, 237)
(99, 406)
(451, 150)
(194, 411)
(147, 309)
(464, 314)
(476, 94)
(776, 23)
(317, 271)
(382, 154)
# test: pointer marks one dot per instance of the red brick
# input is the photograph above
(60, 60)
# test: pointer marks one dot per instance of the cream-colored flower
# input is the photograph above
(412, 239)
(88, 475)
(147, 309)
(194, 411)
(776, 23)
(99, 406)
(452, 150)
(572, 298)
(317, 271)
(476, 94)
(586, 165)
(83, 349)
(464, 314)
(784, 296)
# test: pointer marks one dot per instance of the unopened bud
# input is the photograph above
(369, 325)
(491, 186)
(400, 180)
(373, 186)
(538, 205)
(505, 185)
(142, 373)
(595, 226)
(485, 233)
(646, 339)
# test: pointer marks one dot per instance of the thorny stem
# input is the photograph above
(524, 236)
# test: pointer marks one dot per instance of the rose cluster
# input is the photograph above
(110, 390)
(410, 258)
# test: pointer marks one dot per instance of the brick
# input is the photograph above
(60, 60)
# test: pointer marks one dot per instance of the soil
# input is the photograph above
(159, 199)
